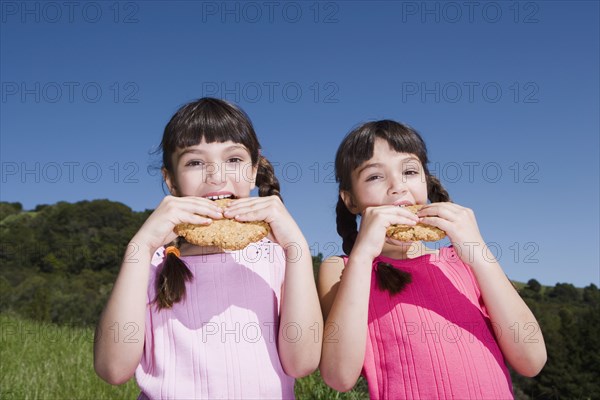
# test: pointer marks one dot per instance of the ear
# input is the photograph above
(348, 200)
(252, 177)
(169, 181)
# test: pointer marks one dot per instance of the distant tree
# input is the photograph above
(565, 292)
(591, 295)
(7, 209)
(534, 286)
(316, 262)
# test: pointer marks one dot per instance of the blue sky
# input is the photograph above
(506, 95)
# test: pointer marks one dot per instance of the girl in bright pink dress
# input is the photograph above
(418, 323)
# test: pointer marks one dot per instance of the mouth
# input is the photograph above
(213, 197)
(403, 203)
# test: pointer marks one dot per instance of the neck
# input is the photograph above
(188, 249)
(406, 250)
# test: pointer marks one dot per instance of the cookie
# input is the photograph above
(411, 233)
(227, 234)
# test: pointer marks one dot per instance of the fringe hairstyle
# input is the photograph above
(211, 120)
(355, 149)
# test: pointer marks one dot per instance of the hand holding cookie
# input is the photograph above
(157, 230)
(272, 211)
(420, 231)
(458, 222)
(227, 233)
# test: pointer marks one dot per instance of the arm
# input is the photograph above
(344, 294)
(300, 307)
(299, 300)
(519, 335)
(345, 305)
(114, 360)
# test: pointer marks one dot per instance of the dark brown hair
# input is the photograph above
(355, 149)
(211, 120)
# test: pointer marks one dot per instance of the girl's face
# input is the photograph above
(388, 178)
(212, 170)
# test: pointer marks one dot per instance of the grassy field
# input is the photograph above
(45, 361)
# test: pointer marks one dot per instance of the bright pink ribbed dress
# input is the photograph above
(434, 340)
(221, 341)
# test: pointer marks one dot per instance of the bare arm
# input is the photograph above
(300, 308)
(344, 294)
(114, 359)
(345, 303)
(518, 333)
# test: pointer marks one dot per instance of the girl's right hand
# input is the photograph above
(158, 228)
(373, 226)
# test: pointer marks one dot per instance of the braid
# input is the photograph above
(267, 182)
(435, 191)
(391, 279)
(170, 284)
(346, 225)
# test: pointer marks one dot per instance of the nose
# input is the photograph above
(397, 184)
(214, 174)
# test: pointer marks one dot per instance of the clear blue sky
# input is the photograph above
(506, 95)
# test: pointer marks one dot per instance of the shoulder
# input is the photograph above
(331, 269)
(335, 261)
(330, 275)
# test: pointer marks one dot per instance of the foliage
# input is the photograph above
(58, 264)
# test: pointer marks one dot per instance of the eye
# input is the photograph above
(194, 163)
(235, 160)
(373, 178)
(411, 172)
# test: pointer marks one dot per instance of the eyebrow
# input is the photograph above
(379, 165)
(192, 150)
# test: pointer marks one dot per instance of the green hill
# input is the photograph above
(58, 264)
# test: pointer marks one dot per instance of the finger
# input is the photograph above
(244, 208)
(446, 211)
(408, 214)
(198, 220)
(438, 222)
(254, 215)
(201, 206)
(402, 214)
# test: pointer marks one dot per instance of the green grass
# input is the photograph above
(46, 361)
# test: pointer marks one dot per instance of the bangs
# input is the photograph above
(358, 146)
(211, 120)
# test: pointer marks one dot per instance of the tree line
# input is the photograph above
(59, 262)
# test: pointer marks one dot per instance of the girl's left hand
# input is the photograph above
(269, 209)
(460, 226)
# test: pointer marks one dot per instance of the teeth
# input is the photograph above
(223, 196)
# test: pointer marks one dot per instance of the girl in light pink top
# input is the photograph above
(199, 322)
(418, 323)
